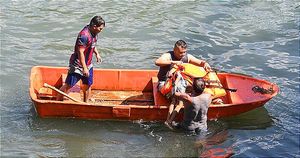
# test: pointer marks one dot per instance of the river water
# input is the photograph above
(258, 38)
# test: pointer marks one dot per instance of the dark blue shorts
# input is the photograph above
(73, 78)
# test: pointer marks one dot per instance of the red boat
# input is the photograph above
(127, 94)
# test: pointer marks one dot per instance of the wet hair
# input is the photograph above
(97, 20)
(181, 43)
(198, 85)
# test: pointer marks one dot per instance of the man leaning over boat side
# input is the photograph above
(195, 107)
(80, 63)
(177, 56)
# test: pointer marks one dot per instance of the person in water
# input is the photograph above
(195, 107)
(165, 62)
(80, 63)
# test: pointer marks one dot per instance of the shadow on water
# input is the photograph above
(217, 141)
(254, 119)
(214, 145)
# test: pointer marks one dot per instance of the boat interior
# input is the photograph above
(146, 95)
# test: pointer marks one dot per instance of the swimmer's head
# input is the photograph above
(198, 85)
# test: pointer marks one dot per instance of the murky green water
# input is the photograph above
(259, 38)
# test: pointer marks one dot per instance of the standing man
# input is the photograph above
(165, 62)
(80, 64)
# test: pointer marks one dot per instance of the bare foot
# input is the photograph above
(91, 100)
(217, 101)
(169, 125)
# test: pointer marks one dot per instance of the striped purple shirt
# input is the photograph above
(86, 40)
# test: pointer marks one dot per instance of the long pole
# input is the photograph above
(62, 93)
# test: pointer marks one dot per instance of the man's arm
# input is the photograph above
(199, 62)
(165, 60)
(82, 61)
(183, 96)
(98, 57)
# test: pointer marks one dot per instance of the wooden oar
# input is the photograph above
(62, 93)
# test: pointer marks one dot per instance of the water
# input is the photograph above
(259, 38)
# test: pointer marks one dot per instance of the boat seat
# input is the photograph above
(74, 91)
(46, 94)
(159, 99)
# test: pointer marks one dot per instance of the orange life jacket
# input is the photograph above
(167, 88)
(213, 85)
(190, 71)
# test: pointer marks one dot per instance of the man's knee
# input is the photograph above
(85, 87)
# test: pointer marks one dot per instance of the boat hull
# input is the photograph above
(132, 95)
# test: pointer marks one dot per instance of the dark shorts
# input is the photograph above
(73, 78)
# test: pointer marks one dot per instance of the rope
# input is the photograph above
(257, 89)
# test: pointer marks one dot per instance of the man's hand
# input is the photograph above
(86, 72)
(99, 59)
(177, 94)
(207, 67)
(176, 62)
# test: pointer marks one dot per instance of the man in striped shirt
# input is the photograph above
(80, 64)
